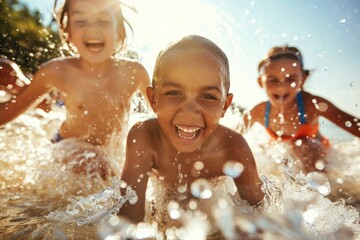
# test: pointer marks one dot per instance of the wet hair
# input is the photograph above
(282, 52)
(61, 16)
(194, 43)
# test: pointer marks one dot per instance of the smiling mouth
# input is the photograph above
(187, 133)
(94, 45)
(281, 97)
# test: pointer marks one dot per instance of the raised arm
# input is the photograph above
(31, 96)
(138, 165)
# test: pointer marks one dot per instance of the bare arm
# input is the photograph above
(248, 183)
(342, 119)
(142, 80)
(137, 166)
(29, 97)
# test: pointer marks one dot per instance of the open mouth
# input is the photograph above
(187, 133)
(94, 45)
(281, 97)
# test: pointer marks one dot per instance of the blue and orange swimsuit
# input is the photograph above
(306, 130)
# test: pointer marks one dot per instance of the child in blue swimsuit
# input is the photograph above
(291, 114)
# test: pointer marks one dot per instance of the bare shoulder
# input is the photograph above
(230, 138)
(132, 66)
(144, 132)
(256, 114)
(55, 69)
(312, 99)
(315, 104)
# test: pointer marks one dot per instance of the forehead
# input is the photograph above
(281, 65)
(193, 58)
(92, 6)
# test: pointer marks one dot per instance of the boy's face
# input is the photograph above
(189, 99)
(93, 29)
(282, 79)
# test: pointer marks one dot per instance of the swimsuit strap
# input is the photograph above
(267, 114)
(301, 108)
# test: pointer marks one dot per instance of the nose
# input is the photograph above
(190, 107)
(92, 28)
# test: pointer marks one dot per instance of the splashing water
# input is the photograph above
(42, 199)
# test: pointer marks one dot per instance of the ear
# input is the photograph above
(260, 82)
(228, 101)
(150, 92)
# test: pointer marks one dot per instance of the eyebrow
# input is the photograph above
(101, 13)
(207, 88)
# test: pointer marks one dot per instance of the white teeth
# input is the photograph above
(93, 42)
(187, 129)
(188, 133)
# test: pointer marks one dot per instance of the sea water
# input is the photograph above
(42, 199)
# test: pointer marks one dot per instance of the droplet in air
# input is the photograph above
(310, 215)
(200, 188)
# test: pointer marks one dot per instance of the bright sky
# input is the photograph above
(326, 31)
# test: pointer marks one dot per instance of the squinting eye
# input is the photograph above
(104, 23)
(172, 93)
(209, 97)
(272, 81)
(80, 22)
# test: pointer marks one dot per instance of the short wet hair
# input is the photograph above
(195, 43)
(61, 16)
(282, 52)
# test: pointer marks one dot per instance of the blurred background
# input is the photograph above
(326, 31)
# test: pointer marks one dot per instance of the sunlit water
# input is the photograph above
(42, 199)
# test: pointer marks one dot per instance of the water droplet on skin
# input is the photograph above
(182, 188)
(298, 142)
(323, 107)
(192, 204)
(293, 84)
(294, 64)
(348, 124)
(233, 168)
(198, 165)
(282, 69)
(86, 112)
(134, 140)
(320, 165)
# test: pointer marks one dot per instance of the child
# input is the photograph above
(186, 143)
(291, 114)
(96, 86)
